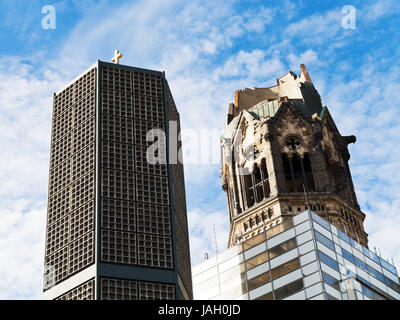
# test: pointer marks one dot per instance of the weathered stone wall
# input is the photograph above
(333, 196)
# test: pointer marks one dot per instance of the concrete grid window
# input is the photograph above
(298, 172)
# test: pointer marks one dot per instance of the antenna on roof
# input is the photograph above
(215, 239)
(216, 260)
(305, 196)
(326, 213)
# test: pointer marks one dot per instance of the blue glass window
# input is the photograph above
(328, 279)
(343, 236)
(365, 282)
(322, 222)
(352, 242)
(376, 274)
(324, 240)
(360, 264)
(369, 289)
(328, 260)
(371, 255)
(329, 297)
(348, 256)
(388, 266)
(390, 283)
(369, 293)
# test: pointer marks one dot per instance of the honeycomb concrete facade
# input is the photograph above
(281, 150)
(115, 221)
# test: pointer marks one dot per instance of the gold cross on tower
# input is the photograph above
(117, 56)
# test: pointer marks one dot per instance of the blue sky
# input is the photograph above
(208, 49)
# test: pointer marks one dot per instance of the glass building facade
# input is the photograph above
(302, 258)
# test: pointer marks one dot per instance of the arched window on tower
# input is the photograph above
(288, 173)
(248, 189)
(308, 173)
(258, 184)
(265, 179)
(298, 172)
(236, 203)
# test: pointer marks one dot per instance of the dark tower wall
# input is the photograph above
(71, 193)
(179, 200)
(113, 217)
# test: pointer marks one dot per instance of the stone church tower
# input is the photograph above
(280, 150)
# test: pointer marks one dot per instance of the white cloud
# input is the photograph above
(21, 249)
(366, 107)
(184, 39)
(202, 237)
(317, 28)
(307, 57)
(209, 46)
(148, 37)
(378, 10)
(383, 225)
(25, 102)
(254, 64)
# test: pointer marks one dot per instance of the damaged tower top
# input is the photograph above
(288, 143)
